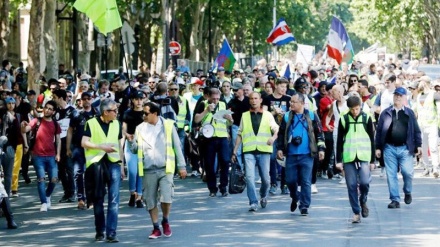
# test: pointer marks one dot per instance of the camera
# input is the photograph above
(296, 140)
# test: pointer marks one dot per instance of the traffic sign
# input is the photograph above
(175, 48)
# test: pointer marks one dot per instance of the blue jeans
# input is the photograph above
(7, 161)
(79, 166)
(299, 172)
(113, 184)
(262, 161)
(357, 174)
(43, 164)
(394, 158)
(134, 180)
(217, 147)
(182, 137)
(273, 170)
(234, 133)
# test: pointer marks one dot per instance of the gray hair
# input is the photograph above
(106, 104)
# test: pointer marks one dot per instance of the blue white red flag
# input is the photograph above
(280, 34)
(287, 73)
(339, 45)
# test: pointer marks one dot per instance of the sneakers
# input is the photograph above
(253, 208)
(81, 205)
(293, 206)
(212, 194)
(99, 237)
(314, 189)
(263, 202)
(426, 172)
(14, 194)
(195, 174)
(166, 230)
(285, 190)
(382, 172)
(112, 239)
(342, 180)
(273, 189)
(394, 204)
(156, 233)
(304, 212)
(356, 219)
(139, 204)
(324, 175)
(132, 200)
(43, 207)
(225, 194)
(408, 199)
(67, 199)
(365, 211)
(49, 203)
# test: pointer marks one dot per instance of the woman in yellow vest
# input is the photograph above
(355, 150)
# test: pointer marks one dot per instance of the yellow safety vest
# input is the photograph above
(182, 113)
(252, 142)
(220, 129)
(357, 142)
(170, 163)
(98, 136)
(427, 114)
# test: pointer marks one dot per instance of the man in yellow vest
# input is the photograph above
(157, 145)
(217, 145)
(102, 146)
(355, 154)
(258, 131)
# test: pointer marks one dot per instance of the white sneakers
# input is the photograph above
(314, 189)
(43, 207)
(49, 204)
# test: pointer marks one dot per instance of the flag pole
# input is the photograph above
(274, 48)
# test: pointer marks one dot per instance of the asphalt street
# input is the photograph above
(197, 220)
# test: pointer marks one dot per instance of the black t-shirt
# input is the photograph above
(124, 99)
(63, 117)
(238, 107)
(133, 119)
(24, 109)
(78, 122)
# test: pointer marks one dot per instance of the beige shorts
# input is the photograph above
(158, 186)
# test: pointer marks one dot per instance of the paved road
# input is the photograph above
(198, 220)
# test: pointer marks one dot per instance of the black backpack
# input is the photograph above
(237, 179)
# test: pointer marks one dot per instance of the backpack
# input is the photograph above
(364, 122)
(166, 110)
(237, 179)
(33, 133)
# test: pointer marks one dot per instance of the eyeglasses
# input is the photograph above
(234, 90)
(304, 87)
(146, 113)
(47, 108)
(173, 89)
(113, 110)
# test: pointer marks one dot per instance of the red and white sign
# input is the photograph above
(175, 48)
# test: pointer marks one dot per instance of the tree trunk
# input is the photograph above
(35, 39)
(50, 43)
(83, 38)
(4, 28)
(114, 51)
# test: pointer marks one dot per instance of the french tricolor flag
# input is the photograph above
(280, 34)
(339, 45)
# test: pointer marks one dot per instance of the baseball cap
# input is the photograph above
(86, 94)
(400, 91)
(221, 69)
(196, 80)
(237, 85)
(138, 95)
(9, 100)
(31, 92)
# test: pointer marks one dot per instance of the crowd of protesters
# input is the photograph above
(329, 121)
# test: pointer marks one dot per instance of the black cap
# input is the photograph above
(138, 95)
(86, 94)
(31, 92)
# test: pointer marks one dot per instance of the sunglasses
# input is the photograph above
(146, 113)
(113, 110)
(234, 90)
(173, 89)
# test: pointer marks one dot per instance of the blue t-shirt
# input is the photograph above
(298, 128)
